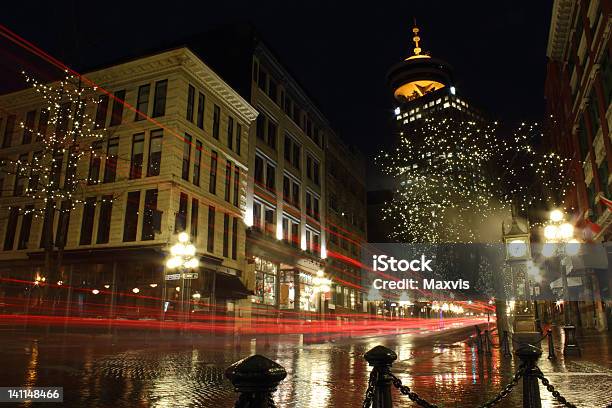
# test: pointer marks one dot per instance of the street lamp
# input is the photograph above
(560, 242)
(183, 258)
(322, 285)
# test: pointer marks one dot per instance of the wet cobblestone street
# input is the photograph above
(149, 370)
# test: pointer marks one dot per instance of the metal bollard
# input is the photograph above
(487, 343)
(506, 345)
(551, 345)
(255, 378)
(529, 354)
(570, 344)
(381, 358)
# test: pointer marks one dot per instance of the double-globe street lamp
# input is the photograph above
(322, 286)
(183, 259)
(560, 242)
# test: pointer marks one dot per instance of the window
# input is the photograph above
(43, 122)
(195, 209)
(142, 103)
(238, 138)
(11, 228)
(312, 242)
(93, 177)
(312, 170)
(101, 112)
(137, 155)
(272, 134)
(266, 273)
(190, 101)
(226, 235)
(290, 231)
(197, 161)
(26, 226)
(292, 151)
(201, 105)
(212, 186)
(230, 132)
(296, 195)
(286, 189)
(8, 130)
(104, 221)
(266, 130)
(180, 222)
(89, 210)
(228, 181)
(291, 191)
(236, 185)
(130, 224)
(270, 177)
(149, 221)
(259, 170)
(110, 167)
(216, 121)
(210, 243)
(234, 238)
(273, 90)
(28, 127)
(260, 126)
(262, 79)
(117, 112)
(312, 205)
(20, 175)
(159, 100)
(269, 222)
(333, 202)
(257, 223)
(155, 152)
(186, 156)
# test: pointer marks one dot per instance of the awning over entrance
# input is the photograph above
(230, 287)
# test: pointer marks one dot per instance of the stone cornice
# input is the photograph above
(560, 27)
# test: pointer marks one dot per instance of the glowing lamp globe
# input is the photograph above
(183, 237)
(566, 230)
(551, 232)
(556, 216)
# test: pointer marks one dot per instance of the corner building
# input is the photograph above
(182, 167)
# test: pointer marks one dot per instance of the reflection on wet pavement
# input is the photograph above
(188, 371)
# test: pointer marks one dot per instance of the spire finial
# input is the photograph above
(416, 39)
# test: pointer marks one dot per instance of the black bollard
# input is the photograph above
(570, 344)
(551, 345)
(506, 344)
(255, 378)
(529, 354)
(487, 343)
(381, 358)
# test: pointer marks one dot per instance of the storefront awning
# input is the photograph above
(230, 287)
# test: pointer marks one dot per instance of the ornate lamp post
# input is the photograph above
(322, 285)
(560, 242)
(183, 260)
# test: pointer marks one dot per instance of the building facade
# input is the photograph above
(174, 158)
(287, 212)
(578, 93)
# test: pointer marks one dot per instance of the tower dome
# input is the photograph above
(418, 74)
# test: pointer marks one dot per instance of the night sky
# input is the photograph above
(338, 51)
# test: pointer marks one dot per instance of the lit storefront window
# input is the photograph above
(308, 296)
(287, 289)
(266, 273)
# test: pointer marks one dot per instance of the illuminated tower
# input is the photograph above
(423, 86)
